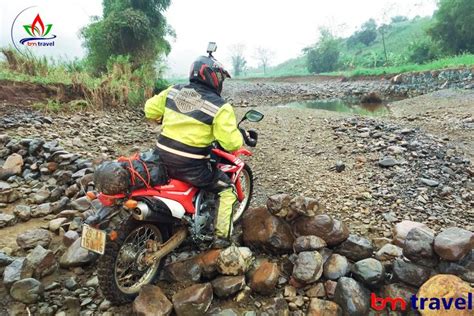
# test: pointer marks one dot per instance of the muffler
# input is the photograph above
(143, 213)
(156, 251)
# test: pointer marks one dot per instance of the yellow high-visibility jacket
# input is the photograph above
(193, 117)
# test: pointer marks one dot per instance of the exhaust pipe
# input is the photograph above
(143, 213)
(156, 252)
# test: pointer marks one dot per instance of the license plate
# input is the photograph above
(93, 239)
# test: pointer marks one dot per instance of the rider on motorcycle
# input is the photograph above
(193, 117)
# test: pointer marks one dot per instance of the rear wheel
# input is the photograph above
(121, 272)
(246, 182)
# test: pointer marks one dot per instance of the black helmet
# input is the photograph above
(208, 71)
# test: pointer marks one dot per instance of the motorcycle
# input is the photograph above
(133, 233)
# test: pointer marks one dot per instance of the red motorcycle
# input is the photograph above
(134, 232)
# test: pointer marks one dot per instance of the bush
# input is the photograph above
(422, 52)
(324, 57)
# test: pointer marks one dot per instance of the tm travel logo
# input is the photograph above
(34, 33)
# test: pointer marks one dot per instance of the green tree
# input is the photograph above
(366, 35)
(324, 56)
(454, 26)
(422, 51)
(136, 28)
(238, 60)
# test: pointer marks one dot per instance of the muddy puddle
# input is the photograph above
(342, 105)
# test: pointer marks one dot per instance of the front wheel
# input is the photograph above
(246, 182)
(121, 271)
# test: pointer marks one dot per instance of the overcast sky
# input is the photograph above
(283, 26)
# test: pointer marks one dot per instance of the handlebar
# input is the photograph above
(250, 137)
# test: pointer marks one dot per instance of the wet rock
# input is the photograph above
(16, 271)
(308, 243)
(335, 267)
(333, 232)
(410, 273)
(152, 301)
(34, 237)
(355, 248)
(304, 206)
(234, 260)
(183, 271)
(369, 271)
(27, 291)
(7, 220)
(279, 204)
(352, 297)
(41, 261)
(454, 243)
(70, 237)
(398, 290)
(208, 262)
(226, 286)
(400, 231)
(81, 204)
(71, 283)
(388, 162)
(419, 247)
(265, 278)
(23, 212)
(5, 259)
(318, 307)
(263, 230)
(76, 256)
(463, 268)
(446, 287)
(308, 267)
(193, 301)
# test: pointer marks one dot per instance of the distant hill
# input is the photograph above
(398, 39)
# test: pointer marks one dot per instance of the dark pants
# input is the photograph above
(202, 174)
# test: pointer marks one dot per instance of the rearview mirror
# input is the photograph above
(254, 116)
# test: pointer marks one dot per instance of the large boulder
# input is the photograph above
(369, 271)
(13, 164)
(308, 243)
(187, 270)
(16, 271)
(226, 286)
(265, 278)
(208, 262)
(34, 237)
(410, 273)
(278, 205)
(7, 220)
(454, 243)
(152, 301)
(308, 267)
(399, 290)
(401, 230)
(76, 256)
(418, 246)
(263, 230)
(193, 301)
(27, 290)
(356, 248)
(234, 260)
(463, 268)
(446, 287)
(352, 296)
(332, 231)
(305, 206)
(335, 267)
(41, 261)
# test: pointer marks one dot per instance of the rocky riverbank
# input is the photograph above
(368, 180)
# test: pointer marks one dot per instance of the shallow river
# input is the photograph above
(339, 105)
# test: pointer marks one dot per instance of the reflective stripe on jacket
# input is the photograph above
(193, 117)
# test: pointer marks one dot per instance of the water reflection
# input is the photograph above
(340, 105)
